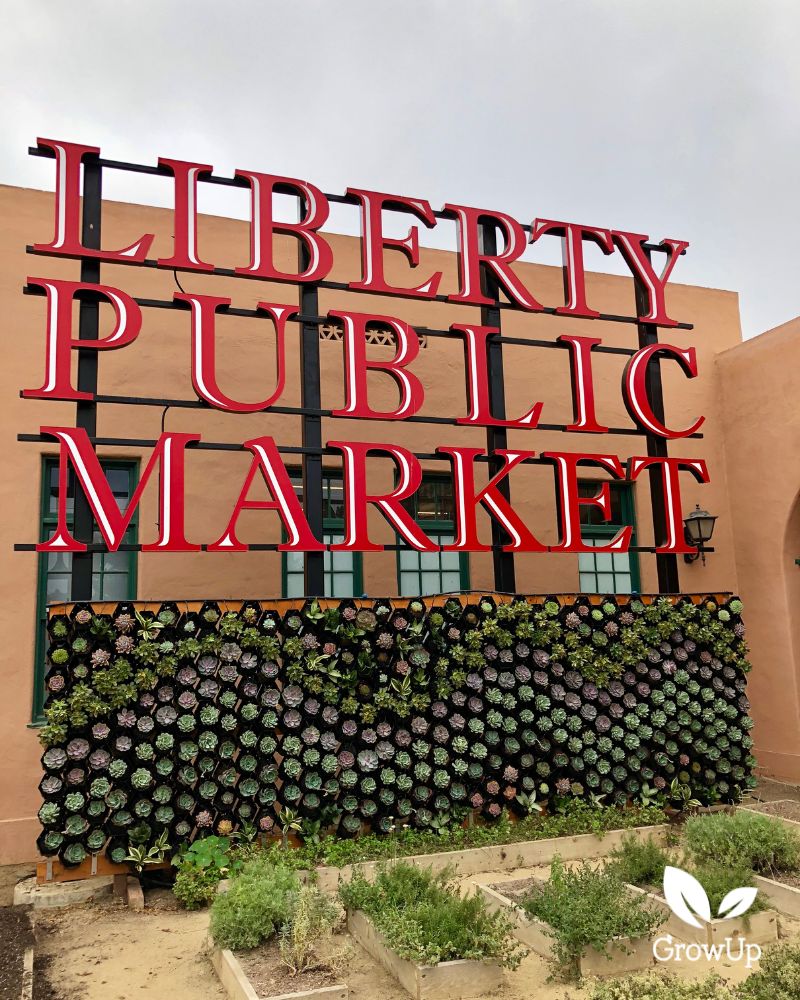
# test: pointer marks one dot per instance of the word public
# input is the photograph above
(316, 257)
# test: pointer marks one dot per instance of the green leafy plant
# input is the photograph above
(661, 986)
(639, 862)
(586, 907)
(142, 855)
(258, 903)
(422, 917)
(760, 843)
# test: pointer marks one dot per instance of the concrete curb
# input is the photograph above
(49, 895)
(27, 975)
(238, 986)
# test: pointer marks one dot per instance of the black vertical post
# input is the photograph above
(311, 398)
(89, 327)
(666, 563)
(496, 437)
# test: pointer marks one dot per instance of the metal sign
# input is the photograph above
(488, 244)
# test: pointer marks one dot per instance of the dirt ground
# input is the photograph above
(108, 952)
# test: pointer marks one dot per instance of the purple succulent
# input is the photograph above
(402, 738)
(510, 774)
(611, 629)
(186, 675)
(349, 728)
(147, 699)
(187, 700)
(557, 692)
(346, 759)
(100, 658)
(330, 715)
(659, 782)
(440, 734)
(312, 706)
(540, 678)
(602, 723)
(541, 659)
(124, 622)
(626, 618)
(349, 614)
(492, 788)
(124, 644)
(603, 698)
(329, 648)
(573, 679)
(56, 682)
(522, 673)
(369, 736)
(490, 652)
(401, 666)
(476, 800)
(207, 665)
(309, 641)
(439, 710)
(419, 725)
(563, 786)
(204, 818)
(248, 661)
(616, 711)
(456, 722)
(400, 623)
(475, 705)
(588, 711)
(266, 824)
(494, 809)
(474, 682)
(572, 701)
(572, 620)
(615, 689)
(629, 700)
(100, 731)
(292, 719)
(589, 691)
(126, 718)
(458, 698)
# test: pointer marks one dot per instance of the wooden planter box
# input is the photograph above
(503, 857)
(238, 986)
(445, 981)
(757, 928)
(792, 824)
(623, 954)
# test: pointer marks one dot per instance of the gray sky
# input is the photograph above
(678, 118)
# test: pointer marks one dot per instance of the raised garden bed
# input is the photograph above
(504, 857)
(786, 810)
(757, 928)
(252, 976)
(461, 978)
(622, 954)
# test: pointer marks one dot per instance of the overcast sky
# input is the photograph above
(678, 118)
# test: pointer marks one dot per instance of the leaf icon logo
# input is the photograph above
(686, 897)
(688, 900)
(737, 902)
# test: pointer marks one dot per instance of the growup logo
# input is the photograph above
(689, 901)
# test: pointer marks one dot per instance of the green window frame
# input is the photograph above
(114, 574)
(344, 571)
(425, 573)
(608, 572)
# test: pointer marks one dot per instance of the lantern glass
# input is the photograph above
(699, 526)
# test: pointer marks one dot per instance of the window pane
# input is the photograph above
(604, 562)
(409, 584)
(343, 561)
(409, 559)
(294, 585)
(451, 561)
(294, 562)
(429, 560)
(451, 581)
(59, 562)
(605, 583)
(115, 562)
(623, 583)
(343, 585)
(57, 589)
(114, 588)
(430, 582)
(586, 562)
(588, 583)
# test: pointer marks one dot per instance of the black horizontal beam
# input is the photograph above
(343, 286)
(301, 411)
(274, 547)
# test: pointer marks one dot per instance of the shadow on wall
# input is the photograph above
(791, 561)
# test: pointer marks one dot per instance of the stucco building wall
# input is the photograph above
(760, 386)
(157, 365)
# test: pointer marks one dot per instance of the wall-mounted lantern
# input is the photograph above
(698, 527)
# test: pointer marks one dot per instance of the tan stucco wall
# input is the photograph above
(157, 364)
(760, 384)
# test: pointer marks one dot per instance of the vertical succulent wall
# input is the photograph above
(358, 714)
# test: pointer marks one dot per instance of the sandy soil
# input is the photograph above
(107, 952)
(785, 808)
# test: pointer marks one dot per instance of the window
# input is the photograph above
(608, 572)
(343, 570)
(113, 573)
(433, 508)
